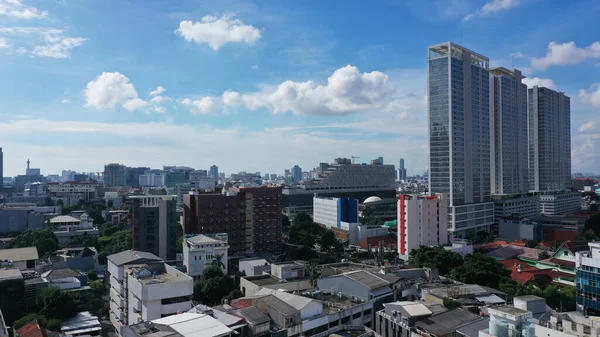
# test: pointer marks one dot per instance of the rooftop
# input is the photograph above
(64, 219)
(277, 305)
(529, 298)
(508, 310)
(195, 325)
(131, 256)
(413, 308)
(203, 239)
(32, 329)
(367, 279)
(82, 323)
(19, 254)
(256, 262)
(296, 301)
(447, 322)
(10, 274)
(60, 273)
(254, 316)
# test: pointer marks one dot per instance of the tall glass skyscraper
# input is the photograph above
(509, 137)
(549, 140)
(459, 135)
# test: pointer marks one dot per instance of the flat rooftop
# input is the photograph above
(508, 309)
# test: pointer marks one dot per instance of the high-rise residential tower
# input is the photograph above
(114, 175)
(401, 170)
(508, 132)
(297, 173)
(154, 222)
(549, 140)
(214, 172)
(459, 136)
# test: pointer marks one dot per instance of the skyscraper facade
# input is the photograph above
(214, 172)
(508, 128)
(297, 173)
(549, 140)
(114, 175)
(154, 219)
(401, 170)
(459, 135)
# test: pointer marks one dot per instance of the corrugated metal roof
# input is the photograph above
(447, 322)
(492, 299)
(367, 279)
(277, 305)
(64, 218)
(254, 316)
(19, 254)
(298, 302)
(203, 239)
(195, 325)
(129, 256)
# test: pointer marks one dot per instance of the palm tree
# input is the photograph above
(314, 272)
(217, 261)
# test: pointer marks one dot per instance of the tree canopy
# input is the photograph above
(44, 239)
(436, 257)
(52, 324)
(480, 269)
(213, 286)
(56, 303)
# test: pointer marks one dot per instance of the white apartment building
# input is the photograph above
(331, 212)
(152, 179)
(422, 221)
(71, 192)
(200, 251)
(560, 203)
(144, 288)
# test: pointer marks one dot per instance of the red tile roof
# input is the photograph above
(32, 329)
(528, 273)
(374, 241)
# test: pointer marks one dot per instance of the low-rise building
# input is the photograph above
(67, 228)
(360, 284)
(331, 212)
(182, 325)
(560, 203)
(144, 288)
(521, 206)
(72, 192)
(22, 258)
(200, 251)
(254, 266)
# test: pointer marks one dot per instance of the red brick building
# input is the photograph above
(251, 218)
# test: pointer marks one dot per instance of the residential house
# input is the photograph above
(200, 251)
(22, 258)
(563, 261)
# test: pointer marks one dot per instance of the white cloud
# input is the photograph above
(17, 9)
(347, 91)
(109, 90)
(254, 67)
(205, 105)
(588, 126)
(517, 55)
(492, 7)
(24, 116)
(47, 42)
(66, 101)
(160, 99)
(541, 82)
(4, 43)
(591, 96)
(135, 104)
(159, 90)
(217, 31)
(565, 53)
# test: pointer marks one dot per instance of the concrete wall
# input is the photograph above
(253, 270)
(344, 285)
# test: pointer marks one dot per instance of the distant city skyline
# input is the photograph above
(301, 85)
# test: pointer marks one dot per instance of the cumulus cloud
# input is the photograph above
(217, 31)
(159, 99)
(565, 53)
(347, 91)
(159, 90)
(492, 7)
(541, 82)
(588, 126)
(109, 90)
(47, 42)
(135, 104)
(205, 105)
(591, 96)
(4, 43)
(17, 9)
(64, 101)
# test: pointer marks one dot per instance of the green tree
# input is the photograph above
(44, 239)
(513, 287)
(531, 243)
(56, 303)
(543, 255)
(92, 275)
(314, 272)
(449, 303)
(41, 319)
(435, 257)
(218, 261)
(480, 269)
(302, 217)
(213, 286)
(180, 244)
(108, 229)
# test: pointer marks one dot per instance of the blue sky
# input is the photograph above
(264, 85)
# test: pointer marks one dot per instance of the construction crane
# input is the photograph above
(353, 157)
